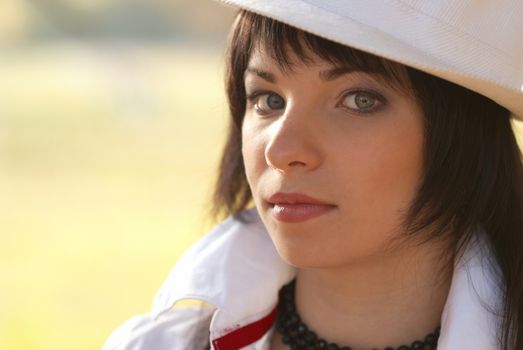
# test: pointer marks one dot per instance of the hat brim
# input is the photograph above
(399, 33)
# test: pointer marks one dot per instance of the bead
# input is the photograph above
(293, 332)
(293, 319)
(280, 325)
(310, 337)
(301, 329)
(301, 342)
(321, 344)
(417, 345)
(286, 339)
(289, 308)
(430, 339)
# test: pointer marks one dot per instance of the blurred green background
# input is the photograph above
(112, 117)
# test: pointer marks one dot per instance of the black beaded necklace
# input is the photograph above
(296, 334)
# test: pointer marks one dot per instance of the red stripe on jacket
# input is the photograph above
(246, 335)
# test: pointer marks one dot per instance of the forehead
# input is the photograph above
(267, 65)
(306, 51)
(266, 68)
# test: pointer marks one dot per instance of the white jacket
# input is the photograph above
(236, 272)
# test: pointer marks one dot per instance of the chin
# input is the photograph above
(303, 256)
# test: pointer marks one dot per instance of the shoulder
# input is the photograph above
(226, 270)
(185, 328)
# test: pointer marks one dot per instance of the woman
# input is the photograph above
(386, 179)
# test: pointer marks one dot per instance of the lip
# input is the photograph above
(297, 207)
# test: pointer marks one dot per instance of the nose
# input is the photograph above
(294, 143)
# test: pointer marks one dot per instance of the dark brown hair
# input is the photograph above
(472, 179)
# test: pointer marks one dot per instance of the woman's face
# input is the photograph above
(333, 159)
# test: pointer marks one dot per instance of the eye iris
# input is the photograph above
(364, 101)
(275, 102)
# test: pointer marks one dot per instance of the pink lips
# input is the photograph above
(296, 207)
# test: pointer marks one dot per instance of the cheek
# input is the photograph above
(396, 165)
(386, 175)
(401, 161)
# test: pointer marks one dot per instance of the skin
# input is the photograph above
(310, 135)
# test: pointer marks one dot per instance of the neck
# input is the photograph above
(387, 301)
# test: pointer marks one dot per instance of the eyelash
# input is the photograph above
(381, 100)
(251, 98)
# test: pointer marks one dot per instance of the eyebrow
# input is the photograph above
(325, 75)
(262, 74)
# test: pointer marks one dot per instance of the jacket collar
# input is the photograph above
(469, 318)
(236, 269)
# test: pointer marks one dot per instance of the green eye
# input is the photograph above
(361, 101)
(266, 103)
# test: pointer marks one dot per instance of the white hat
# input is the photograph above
(473, 43)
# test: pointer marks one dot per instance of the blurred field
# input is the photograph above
(107, 157)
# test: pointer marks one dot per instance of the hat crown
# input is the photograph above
(495, 23)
